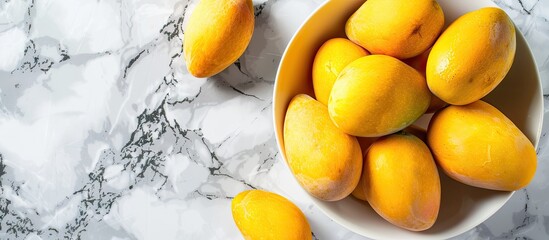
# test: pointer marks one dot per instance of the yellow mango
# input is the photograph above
(216, 35)
(401, 181)
(472, 56)
(377, 95)
(268, 216)
(330, 59)
(365, 144)
(478, 145)
(325, 161)
(398, 28)
(419, 63)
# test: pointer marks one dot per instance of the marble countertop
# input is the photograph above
(105, 135)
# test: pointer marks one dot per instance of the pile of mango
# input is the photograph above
(395, 65)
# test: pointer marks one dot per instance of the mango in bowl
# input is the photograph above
(462, 207)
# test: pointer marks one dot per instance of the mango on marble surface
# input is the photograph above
(217, 34)
(264, 215)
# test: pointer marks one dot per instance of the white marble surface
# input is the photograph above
(105, 135)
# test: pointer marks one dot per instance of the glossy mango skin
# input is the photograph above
(325, 161)
(262, 215)
(478, 145)
(216, 35)
(472, 56)
(334, 55)
(377, 95)
(365, 144)
(401, 181)
(398, 28)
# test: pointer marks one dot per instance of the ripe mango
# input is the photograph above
(216, 35)
(472, 56)
(401, 181)
(330, 59)
(398, 28)
(264, 215)
(325, 161)
(365, 144)
(377, 95)
(478, 145)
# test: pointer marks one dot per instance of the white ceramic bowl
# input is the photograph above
(519, 96)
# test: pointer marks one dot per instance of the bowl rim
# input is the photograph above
(311, 198)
